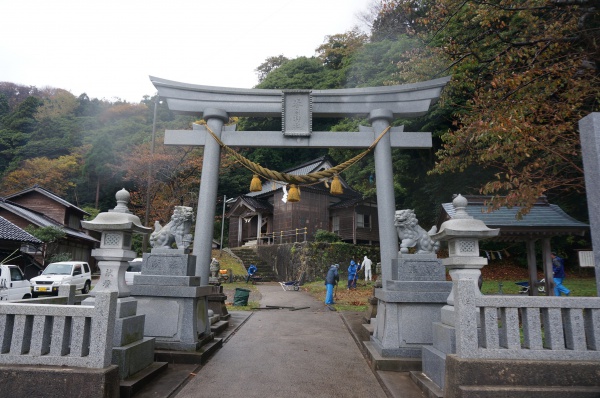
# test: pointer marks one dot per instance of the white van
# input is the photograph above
(13, 285)
(62, 273)
(134, 268)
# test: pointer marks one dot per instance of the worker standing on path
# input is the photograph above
(332, 279)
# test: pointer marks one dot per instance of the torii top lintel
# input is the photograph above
(407, 100)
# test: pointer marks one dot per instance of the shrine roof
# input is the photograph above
(244, 203)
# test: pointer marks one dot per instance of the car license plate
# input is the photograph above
(42, 289)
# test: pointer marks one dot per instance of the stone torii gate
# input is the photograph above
(297, 109)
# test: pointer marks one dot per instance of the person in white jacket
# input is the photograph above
(366, 265)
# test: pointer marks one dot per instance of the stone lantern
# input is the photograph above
(117, 227)
(463, 232)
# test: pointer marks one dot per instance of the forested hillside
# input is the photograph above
(523, 74)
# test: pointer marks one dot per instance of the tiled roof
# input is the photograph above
(49, 194)
(40, 220)
(9, 231)
(543, 217)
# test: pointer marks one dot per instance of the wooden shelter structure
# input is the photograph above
(543, 222)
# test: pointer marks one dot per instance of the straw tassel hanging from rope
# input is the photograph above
(255, 184)
(293, 193)
(336, 186)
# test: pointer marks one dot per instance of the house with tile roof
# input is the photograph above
(265, 217)
(13, 240)
(41, 208)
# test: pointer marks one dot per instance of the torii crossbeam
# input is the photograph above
(297, 109)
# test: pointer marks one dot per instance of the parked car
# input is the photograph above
(62, 273)
(135, 268)
(13, 284)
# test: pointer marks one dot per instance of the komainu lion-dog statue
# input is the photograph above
(175, 231)
(412, 235)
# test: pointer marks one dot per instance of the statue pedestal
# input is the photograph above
(408, 305)
(171, 298)
(216, 302)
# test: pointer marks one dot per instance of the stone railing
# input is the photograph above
(534, 328)
(66, 295)
(59, 335)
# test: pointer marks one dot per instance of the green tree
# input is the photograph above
(300, 73)
(269, 65)
(50, 236)
(15, 129)
(337, 49)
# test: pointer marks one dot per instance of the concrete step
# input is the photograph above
(394, 364)
(219, 327)
(136, 382)
(190, 357)
(426, 385)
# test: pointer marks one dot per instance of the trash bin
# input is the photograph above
(241, 296)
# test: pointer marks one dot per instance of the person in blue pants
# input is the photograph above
(558, 268)
(332, 279)
(352, 271)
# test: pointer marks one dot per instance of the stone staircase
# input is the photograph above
(248, 256)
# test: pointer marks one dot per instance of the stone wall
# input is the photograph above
(314, 258)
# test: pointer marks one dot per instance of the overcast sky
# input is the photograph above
(108, 48)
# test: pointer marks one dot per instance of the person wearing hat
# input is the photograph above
(558, 268)
(331, 280)
(352, 271)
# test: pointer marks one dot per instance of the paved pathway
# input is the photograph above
(283, 353)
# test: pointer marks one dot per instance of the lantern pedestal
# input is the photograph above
(171, 298)
(408, 304)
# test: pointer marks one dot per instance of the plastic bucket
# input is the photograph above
(241, 296)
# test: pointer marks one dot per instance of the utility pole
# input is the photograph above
(149, 182)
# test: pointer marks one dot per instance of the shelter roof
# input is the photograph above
(47, 193)
(9, 231)
(40, 220)
(543, 220)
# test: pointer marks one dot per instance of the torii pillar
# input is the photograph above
(216, 104)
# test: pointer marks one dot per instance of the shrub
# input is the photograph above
(325, 236)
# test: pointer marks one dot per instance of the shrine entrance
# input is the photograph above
(298, 108)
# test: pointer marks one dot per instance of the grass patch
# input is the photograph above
(228, 262)
(580, 287)
(345, 300)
